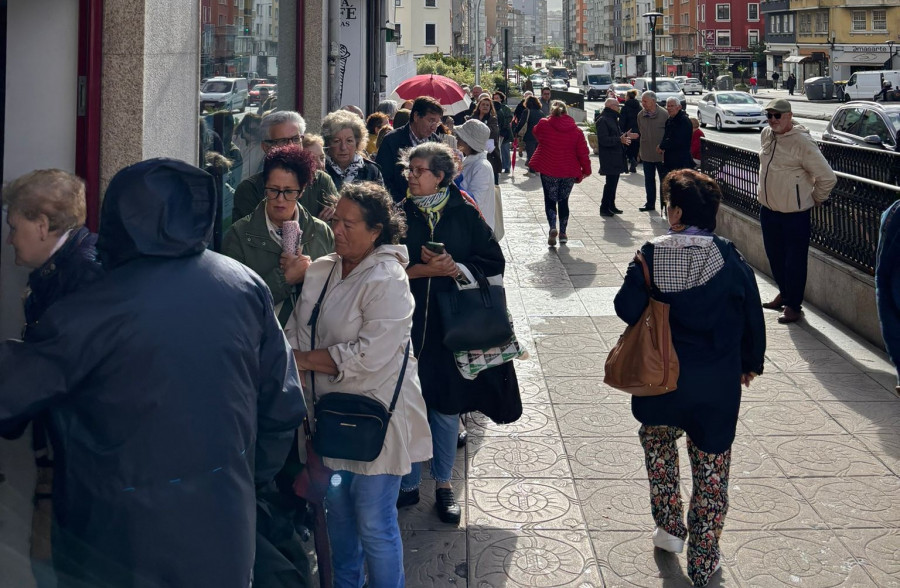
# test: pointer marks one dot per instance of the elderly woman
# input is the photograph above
(46, 213)
(719, 337)
(315, 144)
(477, 172)
(484, 112)
(256, 240)
(362, 346)
(448, 242)
(345, 140)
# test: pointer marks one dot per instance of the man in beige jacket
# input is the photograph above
(794, 177)
(651, 121)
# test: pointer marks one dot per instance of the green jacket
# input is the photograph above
(248, 241)
(316, 196)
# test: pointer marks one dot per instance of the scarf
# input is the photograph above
(348, 175)
(431, 206)
(690, 230)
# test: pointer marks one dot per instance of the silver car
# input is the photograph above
(868, 124)
(731, 110)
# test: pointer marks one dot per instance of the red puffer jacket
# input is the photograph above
(562, 150)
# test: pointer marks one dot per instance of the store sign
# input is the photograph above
(351, 59)
(723, 49)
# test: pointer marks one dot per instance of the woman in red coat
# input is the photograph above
(562, 159)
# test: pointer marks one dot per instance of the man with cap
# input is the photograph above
(171, 390)
(793, 178)
(477, 173)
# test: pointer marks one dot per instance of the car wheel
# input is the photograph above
(718, 123)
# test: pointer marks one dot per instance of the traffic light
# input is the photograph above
(246, 30)
(707, 62)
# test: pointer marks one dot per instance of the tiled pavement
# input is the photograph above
(560, 498)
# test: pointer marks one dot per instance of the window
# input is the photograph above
(753, 12)
(805, 24)
(430, 3)
(269, 11)
(723, 38)
(753, 37)
(703, 13)
(259, 10)
(879, 20)
(859, 20)
(221, 20)
(235, 2)
(723, 12)
(789, 19)
(397, 3)
(822, 22)
(397, 34)
(430, 34)
(258, 29)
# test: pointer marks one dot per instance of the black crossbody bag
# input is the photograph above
(349, 426)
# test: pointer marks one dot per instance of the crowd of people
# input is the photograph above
(141, 342)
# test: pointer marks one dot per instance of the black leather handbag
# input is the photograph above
(349, 426)
(474, 318)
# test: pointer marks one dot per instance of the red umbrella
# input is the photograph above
(443, 89)
(515, 150)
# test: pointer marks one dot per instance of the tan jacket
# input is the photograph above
(793, 173)
(651, 127)
(364, 322)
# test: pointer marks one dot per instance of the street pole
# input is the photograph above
(477, 43)
(652, 17)
(506, 57)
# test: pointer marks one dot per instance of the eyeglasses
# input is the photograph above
(289, 195)
(775, 115)
(282, 142)
(415, 172)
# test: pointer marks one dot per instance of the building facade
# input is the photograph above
(427, 26)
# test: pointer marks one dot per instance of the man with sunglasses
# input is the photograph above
(794, 177)
(280, 128)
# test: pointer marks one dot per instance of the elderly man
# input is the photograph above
(282, 128)
(675, 145)
(545, 101)
(794, 177)
(651, 124)
(425, 117)
(171, 390)
(610, 142)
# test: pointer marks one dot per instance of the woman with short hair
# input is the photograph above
(530, 116)
(375, 124)
(346, 138)
(315, 144)
(719, 337)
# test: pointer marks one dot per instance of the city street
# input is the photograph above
(561, 498)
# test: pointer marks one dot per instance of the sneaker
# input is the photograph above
(551, 240)
(445, 503)
(408, 498)
(667, 541)
(563, 238)
(461, 439)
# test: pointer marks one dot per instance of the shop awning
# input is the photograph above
(860, 59)
(797, 59)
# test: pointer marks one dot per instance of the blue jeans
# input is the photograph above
(651, 170)
(361, 513)
(444, 433)
(505, 154)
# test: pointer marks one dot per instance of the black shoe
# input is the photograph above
(605, 212)
(647, 208)
(445, 503)
(615, 210)
(461, 439)
(633, 169)
(408, 498)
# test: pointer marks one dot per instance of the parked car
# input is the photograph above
(731, 110)
(224, 94)
(680, 80)
(621, 91)
(869, 124)
(691, 86)
(260, 92)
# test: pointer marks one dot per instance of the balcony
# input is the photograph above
(781, 38)
(774, 6)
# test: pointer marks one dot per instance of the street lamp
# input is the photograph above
(477, 33)
(890, 44)
(652, 17)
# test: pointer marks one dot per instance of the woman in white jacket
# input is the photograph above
(477, 172)
(362, 340)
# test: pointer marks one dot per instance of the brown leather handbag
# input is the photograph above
(644, 362)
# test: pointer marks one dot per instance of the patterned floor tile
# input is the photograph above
(562, 325)
(878, 550)
(774, 387)
(598, 420)
(886, 447)
(536, 421)
(543, 559)
(570, 343)
(584, 390)
(560, 365)
(788, 418)
(524, 504)
(605, 457)
(766, 504)
(533, 390)
(823, 456)
(848, 387)
(599, 301)
(423, 516)
(435, 558)
(865, 417)
(522, 457)
(607, 280)
(615, 505)
(854, 502)
(811, 360)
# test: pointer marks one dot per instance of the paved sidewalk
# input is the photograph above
(560, 498)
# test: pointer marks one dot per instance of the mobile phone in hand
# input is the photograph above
(435, 247)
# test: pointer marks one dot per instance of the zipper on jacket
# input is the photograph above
(766, 180)
(797, 188)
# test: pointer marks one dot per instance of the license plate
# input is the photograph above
(748, 120)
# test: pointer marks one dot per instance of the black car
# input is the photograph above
(865, 123)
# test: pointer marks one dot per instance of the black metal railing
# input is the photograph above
(846, 228)
(872, 164)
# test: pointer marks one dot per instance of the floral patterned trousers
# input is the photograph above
(709, 500)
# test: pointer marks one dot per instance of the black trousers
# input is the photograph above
(786, 239)
(608, 202)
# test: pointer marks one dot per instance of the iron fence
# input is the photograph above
(872, 164)
(847, 227)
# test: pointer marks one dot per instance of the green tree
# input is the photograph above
(554, 53)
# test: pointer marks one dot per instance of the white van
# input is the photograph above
(665, 88)
(863, 85)
(224, 94)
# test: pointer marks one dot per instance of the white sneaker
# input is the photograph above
(666, 541)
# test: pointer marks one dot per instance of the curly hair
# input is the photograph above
(339, 120)
(52, 192)
(378, 210)
(696, 194)
(439, 157)
(291, 158)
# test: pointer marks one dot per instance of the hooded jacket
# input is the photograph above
(171, 390)
(365, 323)
(651, 126)
(562, 150)
(793, 173)
(478, 182)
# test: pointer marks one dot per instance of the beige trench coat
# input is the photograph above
(364, 322)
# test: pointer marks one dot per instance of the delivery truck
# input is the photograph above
(594, 78)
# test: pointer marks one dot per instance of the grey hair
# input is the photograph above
(439, 156)
(339, 120)
(673, 100)
(279, 117)
(388, 107)
(611, 101)
(649, 94)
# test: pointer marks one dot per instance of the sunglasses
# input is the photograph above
(775, 115)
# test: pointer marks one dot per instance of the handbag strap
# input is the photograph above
(639, 258)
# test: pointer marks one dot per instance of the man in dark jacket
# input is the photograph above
(675, 146)
(611, 142)
(425, 117)
(172, 393)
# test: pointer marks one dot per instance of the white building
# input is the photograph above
(425, 26)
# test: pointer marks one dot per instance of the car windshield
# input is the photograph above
(894, 117)
(559, 73)
(597, 79)
(216, 87)
(666, 86)
(736, 99)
